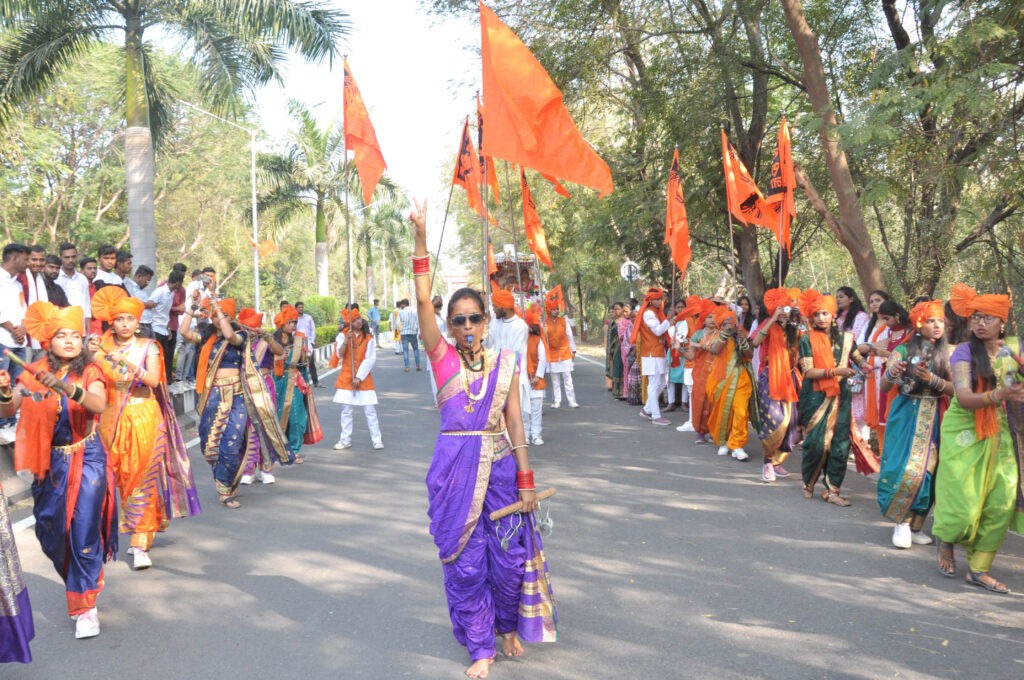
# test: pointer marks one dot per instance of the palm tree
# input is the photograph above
(234, 45)
(383, 226)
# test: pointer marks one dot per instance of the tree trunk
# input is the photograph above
(320, 249)
(138, 152)
(853, 231)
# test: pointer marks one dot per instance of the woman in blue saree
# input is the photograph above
(495, 576)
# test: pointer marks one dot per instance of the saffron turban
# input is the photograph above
(780, 297)
(965, 301)
(249, 317)
(503, 299)
(111, 302)
(723, 314)
(287, 314)
(532, 316)
(812, 302)
(227, 305)
(923, 311)
(44, 319)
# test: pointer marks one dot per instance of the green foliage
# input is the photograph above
(324, 309)
(325, 335)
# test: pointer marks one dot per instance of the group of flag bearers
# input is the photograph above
(953, 411)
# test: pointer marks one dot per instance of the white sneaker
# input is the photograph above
(246, 479)
(740, 454)
(686, 427)
(140, 559)
(8, 434)
(266, 477)
(920, 538)
(556, 404)
(378, 444)
(901, 536)
(723, 450)
(342, 445)
(87, 625)
(537, 441)
(573, 404)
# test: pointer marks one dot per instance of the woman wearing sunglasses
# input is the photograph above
(480, 465)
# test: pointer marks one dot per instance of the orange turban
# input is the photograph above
(249, 317)
(111, 302)
(693, 308)
(44, 319)
(965, 301)
(287, 314)
(227, 305)
(503, 299)
(532, 316)
(811, 302)
(923, 311)
(706, 308)
(779, 297)
(723, 314)
(349, 315)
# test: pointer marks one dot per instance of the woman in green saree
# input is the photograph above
(291, 379)
(977, 484)
(825, 397)
(920, 369)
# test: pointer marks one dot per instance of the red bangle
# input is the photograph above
(421, 265)
(524, 480)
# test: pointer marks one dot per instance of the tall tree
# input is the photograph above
(383, 226)
(235, 45)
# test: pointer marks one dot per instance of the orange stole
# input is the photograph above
(533, 358)
(702, 363)
(344, 381)
(558, 341)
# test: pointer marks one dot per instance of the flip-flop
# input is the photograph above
(229, 502)
(952, 558)
(995, 586)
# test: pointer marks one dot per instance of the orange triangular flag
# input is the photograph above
(676, 224)
(559, 187)
(467, 172)
(534, 230)
(492, 268)
(782, 187)
(554, 299)
(745, 200)
(265, 249)
(361, 139)
(487, 161)
(527, 123)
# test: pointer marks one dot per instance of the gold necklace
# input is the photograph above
(466, 379)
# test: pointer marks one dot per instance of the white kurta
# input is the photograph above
(510, 334)
(564, 366)
(357, 397)
(655, 365)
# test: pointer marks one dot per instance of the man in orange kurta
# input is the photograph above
(562, 349)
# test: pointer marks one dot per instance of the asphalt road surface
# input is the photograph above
(667, 562)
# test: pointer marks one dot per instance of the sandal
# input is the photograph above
(835, 499)
(986, 581)
(808, 491)
(230, 502)
(946, 555)
(298, 460)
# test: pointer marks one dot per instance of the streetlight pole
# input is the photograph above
(255, 234)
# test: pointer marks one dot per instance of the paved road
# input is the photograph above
(667, 562)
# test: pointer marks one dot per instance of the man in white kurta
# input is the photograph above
(508, 331)
(653, 363)
(365, 358)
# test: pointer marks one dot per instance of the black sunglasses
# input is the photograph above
(474, 319)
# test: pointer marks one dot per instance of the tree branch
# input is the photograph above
(817, 202)
(998, 213)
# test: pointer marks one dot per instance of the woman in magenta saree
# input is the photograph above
(495, 575)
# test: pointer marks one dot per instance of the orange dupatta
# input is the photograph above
(35, 427)
(204, 363)
(824, 357)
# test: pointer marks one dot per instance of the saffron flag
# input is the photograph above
(534, 230)
(559, 187)
(361, 139)
(677, 227)
(782, 187)
(266, 248)
(492, 174)
(745, 200)
(554, 299)
(492, 268)
(527, 122)
(467, 172)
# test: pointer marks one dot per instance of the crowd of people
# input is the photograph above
(931, 399)
(89, 359)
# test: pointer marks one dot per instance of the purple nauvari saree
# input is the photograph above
(496, 579)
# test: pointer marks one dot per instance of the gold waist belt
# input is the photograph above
(228, 380)
(475, 433)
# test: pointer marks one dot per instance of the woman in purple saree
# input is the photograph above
(495, 576)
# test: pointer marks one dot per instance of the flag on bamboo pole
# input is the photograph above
(266, 248)
(492, 268)
(492, 174)
(745, 200)
(534, 230)
(677, 227)
(554, 300)
(782, 186)
(467, 173)
(527, 122)
(361, 138)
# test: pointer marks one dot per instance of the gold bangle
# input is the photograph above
(520, 446)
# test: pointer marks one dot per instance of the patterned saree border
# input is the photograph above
(921, 449)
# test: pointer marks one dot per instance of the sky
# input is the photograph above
(418, 75)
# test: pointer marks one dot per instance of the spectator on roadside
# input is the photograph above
(74, 283)
(373, 316)
(159, 308)
(396, 328)
(12, 321)
(137, 289)
(54, 293)
(33, 285)
(123, 267)
(89, 267)
(409, 319)
(307, 327)
(106, 259)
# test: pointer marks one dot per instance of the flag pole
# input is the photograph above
(732, 253)
(782, 211)
(437, 258)
(484, 236)
(515, 238)
(348, 238)
(672, 298)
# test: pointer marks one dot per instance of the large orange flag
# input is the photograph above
(745, 200)
(492, 268)
(492, 174)
(677, 227)
(534, 230)
(527, 123)
(467, 172)
(782, 186)
(554, 299)
(361, 139)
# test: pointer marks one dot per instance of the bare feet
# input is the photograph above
(510, 645)
(480, 668)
